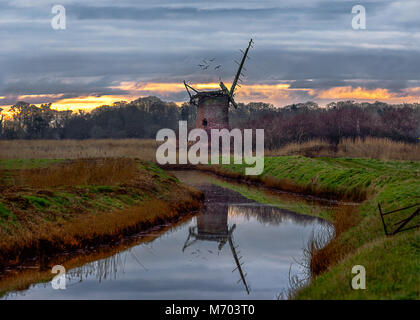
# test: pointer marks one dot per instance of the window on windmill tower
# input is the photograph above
(205, 122)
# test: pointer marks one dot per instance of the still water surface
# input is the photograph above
(234, 248)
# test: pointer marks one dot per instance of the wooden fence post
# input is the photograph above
(382, 218)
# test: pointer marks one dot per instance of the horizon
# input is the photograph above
(65, 107)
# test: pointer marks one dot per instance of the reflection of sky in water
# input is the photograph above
(268, 239)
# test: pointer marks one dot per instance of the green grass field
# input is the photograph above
(392, 263)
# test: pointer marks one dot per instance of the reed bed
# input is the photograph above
(80, 172)
(145, 149)
(325, 250)
(78, 149)
(373, 148)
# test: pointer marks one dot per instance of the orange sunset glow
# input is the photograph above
(278, 94)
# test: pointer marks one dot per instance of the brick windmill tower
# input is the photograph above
(213, 106)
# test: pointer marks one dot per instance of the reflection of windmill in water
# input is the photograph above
(212, 225)
(213, 106)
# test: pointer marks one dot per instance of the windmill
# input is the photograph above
(212, 225)
(213, 106)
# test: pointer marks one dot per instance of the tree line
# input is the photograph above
(142, 118)
(345, 119)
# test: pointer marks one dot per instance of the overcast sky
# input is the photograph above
(114, 50)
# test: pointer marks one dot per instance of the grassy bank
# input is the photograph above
(53, 205)
(392, 267)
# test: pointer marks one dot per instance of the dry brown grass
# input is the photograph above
(377, 148)
(321, 253)
(109, 171)
(78, 149)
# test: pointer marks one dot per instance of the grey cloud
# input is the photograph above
(323, 10)
(164, 41)
(356, 64)
(48, 86)
(390, 69)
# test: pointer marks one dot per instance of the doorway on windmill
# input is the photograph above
(204, 122)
